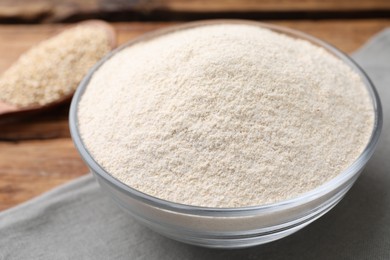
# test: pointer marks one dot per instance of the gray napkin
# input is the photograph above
(78, 221)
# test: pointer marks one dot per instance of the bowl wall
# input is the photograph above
(232, 231)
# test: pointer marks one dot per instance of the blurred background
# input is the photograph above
(49, 11)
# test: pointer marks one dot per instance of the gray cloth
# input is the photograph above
(78, 221)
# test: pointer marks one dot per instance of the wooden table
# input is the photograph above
(37, 154)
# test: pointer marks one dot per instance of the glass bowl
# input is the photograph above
(229, 227)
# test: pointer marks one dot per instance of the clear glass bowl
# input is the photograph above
(229, 227)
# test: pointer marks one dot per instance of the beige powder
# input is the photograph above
(225, 116)
(53, 68)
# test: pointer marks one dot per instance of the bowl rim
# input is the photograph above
(301, 199)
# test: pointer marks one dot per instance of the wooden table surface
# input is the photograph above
(37, 154)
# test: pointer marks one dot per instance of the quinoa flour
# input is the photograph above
(225, 116)
(53, 68)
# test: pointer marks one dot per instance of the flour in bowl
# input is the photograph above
(225, 115)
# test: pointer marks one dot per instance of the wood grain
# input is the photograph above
(269, 5)
(59, 10)
(31, 167)
(47, 125)
(43, 155)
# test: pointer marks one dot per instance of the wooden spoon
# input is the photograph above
(10, 111)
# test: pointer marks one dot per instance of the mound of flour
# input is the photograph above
(225, 116)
